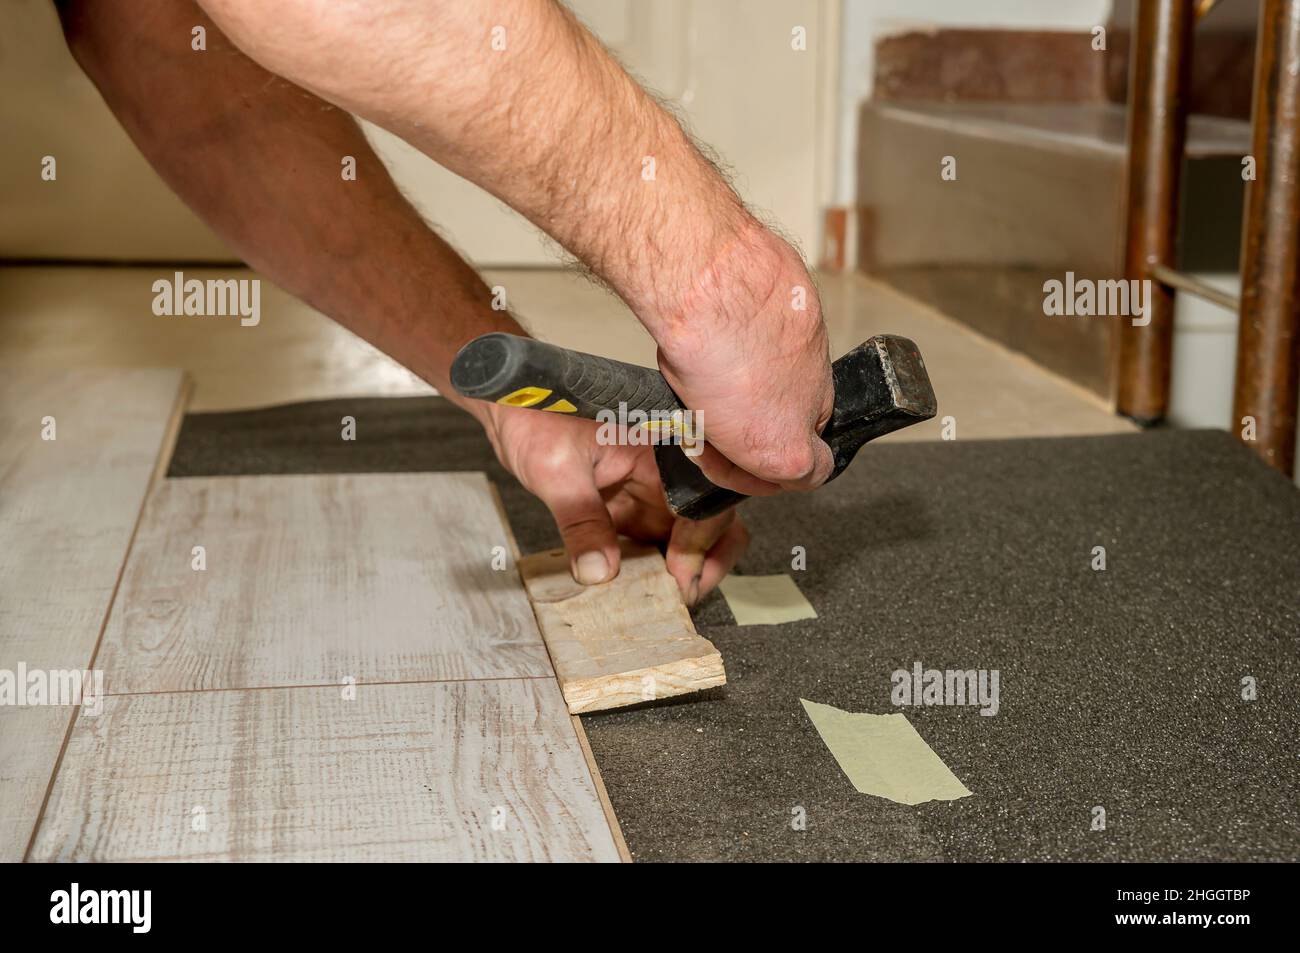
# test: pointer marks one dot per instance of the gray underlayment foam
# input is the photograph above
(1119, 689)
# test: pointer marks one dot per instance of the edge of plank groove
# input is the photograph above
(170, 435)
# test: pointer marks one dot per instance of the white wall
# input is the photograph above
(1205, 361)
(106, 202)
(863, 22)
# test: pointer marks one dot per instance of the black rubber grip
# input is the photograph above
(496, 366)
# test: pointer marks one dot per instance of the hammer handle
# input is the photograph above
(880, 386)
(524, 372)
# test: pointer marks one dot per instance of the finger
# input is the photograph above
(584, 523)
(632, 517)
(688, 546)
(724, 473)
(724, 555)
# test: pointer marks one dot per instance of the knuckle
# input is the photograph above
(793, 463)
(551, 464)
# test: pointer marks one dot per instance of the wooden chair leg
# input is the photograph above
(1159, 82)
(1268, 347)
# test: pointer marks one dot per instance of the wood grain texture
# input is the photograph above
(68, 508)
(481, 770)
(626, 641)
(30, 739)
(314, 579)
(615, 829)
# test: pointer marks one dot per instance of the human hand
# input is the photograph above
(596, 491)
(746, 347)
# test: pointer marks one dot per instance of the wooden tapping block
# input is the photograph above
(623, 642)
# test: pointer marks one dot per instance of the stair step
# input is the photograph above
(1038, 193)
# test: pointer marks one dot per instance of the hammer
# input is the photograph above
(880, 386)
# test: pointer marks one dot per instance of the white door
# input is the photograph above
(734, 69)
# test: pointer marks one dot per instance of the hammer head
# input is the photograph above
(880, 386)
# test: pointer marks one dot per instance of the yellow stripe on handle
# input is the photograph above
(525, 397)
(562, 406)
(674, 425)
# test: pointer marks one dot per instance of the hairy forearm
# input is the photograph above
(261, 161)
(556, 125)
(519, 98)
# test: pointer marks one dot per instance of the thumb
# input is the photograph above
(585, 524)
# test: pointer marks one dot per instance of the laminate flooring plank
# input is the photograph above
(616, 832)
(314, 580)
(30, 739)
(442, 771)
(68, 508)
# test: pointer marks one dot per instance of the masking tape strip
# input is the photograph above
(765, 600)
(883, 755)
